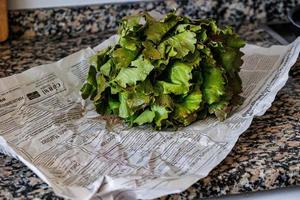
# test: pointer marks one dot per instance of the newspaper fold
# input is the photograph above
(42, 123)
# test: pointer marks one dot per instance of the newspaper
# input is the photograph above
(43, 124)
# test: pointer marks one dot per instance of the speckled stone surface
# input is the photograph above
(265, 157)
(75, 20)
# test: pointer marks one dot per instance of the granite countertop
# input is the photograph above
(265, 157)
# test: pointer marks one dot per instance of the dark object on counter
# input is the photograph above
(287, 32)
(294, 16)
(284, 33)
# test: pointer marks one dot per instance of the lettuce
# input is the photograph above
(139, 70)
(161, 114)
(179, 45)
(168, 72)
(146, 117)
(188, 106)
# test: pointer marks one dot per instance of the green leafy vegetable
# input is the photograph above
(161, 114)
(124, 111)
(188, 106)
(180, 44)
(213, 84)
(138, 71)
(106, 68)
(157, 29)
(167, 72)
(122, 57)
(146, 117)
(86, 90)
(101, 85)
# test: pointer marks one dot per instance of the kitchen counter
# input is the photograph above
(265, 157)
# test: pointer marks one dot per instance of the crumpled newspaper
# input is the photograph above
(42, 123)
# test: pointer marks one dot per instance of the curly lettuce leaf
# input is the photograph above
(138, 100)
(234, 85)
(235, 41)
(171, 88)
(100, 58)
(189, 119)
(106, 68)
(207, 24)
(178, 45)
(228, 57)
(124, 111)
(161, 114)
(130, 43)
(145, 87)
(193, 59)
(146, 117)
(190, 104)
(101, 85)
(150, 52)
(114, 105)
(122, 57)
(91, 77)
(202, 36)
(213, 83)
(157, 29)
(180, 73)
(102, 107)
(165, 101)
(220, 109)
(139, 71)
(89, 89)
(231, 61)
(179, 77)
(131, 25)
(86, 90)
(187, 27)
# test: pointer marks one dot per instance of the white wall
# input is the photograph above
(29, 4)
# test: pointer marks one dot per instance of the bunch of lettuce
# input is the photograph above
(168, 72)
